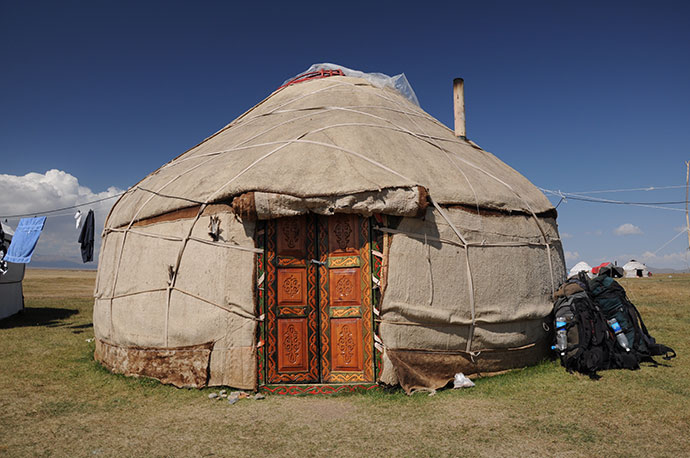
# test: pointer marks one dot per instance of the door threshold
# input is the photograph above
(317, 388)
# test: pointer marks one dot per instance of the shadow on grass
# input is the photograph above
(37, 316)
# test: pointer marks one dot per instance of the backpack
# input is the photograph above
(587, 344)
(613, 302)
(581, 338)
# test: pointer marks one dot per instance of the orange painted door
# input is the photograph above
(292, 339)
(345, 299)
(319, 314)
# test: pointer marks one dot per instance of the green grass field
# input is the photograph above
(56, 401)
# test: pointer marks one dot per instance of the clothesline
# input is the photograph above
(47, 212)
(648, 188)
(28, 231)
(658, 205)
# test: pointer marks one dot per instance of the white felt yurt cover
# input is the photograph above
(470, 277)
(580, 267)
(633, 267)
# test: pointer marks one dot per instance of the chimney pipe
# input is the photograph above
(459, 106)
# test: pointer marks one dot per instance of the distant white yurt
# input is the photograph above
(635, 269)
(579, 267)
(11, 294)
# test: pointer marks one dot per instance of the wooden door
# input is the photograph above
(318, 309)
(345, 299)
(292, 308)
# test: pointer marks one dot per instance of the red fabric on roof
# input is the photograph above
(595, 270)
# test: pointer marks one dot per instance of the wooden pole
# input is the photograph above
(459, 106)
(687, 219)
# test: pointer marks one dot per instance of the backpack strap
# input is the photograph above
(667, 353)
(582, 276)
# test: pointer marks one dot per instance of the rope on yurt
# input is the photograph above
(176, 269)
(196, 219)
(134, 293)
(230, 307)
(470, 283)
(457, 232)
(472, 353)
(439, 147)
(431, 275)
(239, 147)
(195, 239)
(225, 245)
(536, 220)
(420, 236)
(134, 218)
(529, 208)
(129, 227)
(240, 120)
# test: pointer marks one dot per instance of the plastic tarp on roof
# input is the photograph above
(396, 82)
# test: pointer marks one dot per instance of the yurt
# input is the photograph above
(333, 236)
(581, 267)
(11, 277)
(635, 269)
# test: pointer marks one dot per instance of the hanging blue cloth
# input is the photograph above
(24, 240)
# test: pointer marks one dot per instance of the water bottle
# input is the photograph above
(620, 336)
(561, 334)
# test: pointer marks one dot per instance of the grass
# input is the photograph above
(56, 401)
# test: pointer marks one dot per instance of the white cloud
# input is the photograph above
(34, 193)
(565, 235)
(627, 229)
(571, 256)
(679, 259)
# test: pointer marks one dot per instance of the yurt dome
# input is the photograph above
(581, 267)
(333, 234)
(635, 269)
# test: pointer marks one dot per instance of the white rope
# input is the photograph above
(648, 188)
(482, 244)
(609, 201)
(470, 283)
(535, 218)
(227, 245)
(443, 150)
(431, 274)
(675, 237)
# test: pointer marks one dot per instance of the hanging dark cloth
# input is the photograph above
(86, 238)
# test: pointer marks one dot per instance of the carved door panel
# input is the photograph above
(291, 310)
(345, 299)
(318, 310)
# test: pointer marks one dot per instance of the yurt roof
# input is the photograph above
(580, 266)
(331, 137)
(634, 265)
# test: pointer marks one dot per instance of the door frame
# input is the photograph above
(370, 253)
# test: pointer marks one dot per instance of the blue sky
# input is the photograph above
(577, 96)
